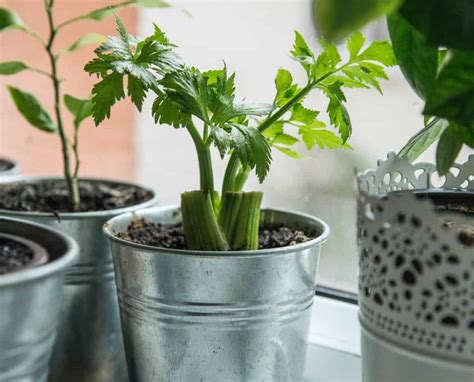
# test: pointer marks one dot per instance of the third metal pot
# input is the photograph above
(30, 301)
(215, 316)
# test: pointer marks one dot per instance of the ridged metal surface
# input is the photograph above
(29, 304)
(89, 346)
(215, 316)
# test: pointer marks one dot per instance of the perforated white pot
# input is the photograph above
(416, 278)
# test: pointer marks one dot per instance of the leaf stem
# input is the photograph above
(70, 179)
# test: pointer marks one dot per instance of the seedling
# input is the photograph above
(243, 133)
(30, 107)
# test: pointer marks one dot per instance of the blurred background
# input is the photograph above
(254, 38)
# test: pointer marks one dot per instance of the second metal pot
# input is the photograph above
(89, 346)
(215, 316)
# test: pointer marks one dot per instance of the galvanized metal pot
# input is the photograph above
(29, 304)
(416, 277)
(89, 346)
(215, 316)
(8, 167)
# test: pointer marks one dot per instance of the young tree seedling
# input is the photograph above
(29, 106)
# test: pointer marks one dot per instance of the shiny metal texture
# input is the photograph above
(215, 316)
(30, 302)
(89, 346)
(13, 170)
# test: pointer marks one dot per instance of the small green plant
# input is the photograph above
(29, 106)
(245, 133)
(433, 42)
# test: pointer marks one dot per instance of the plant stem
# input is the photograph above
(204, 159)
(200, 225)
(229, 213)
(71, 181)
(245, 233)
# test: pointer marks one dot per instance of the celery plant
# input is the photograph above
(245, 133)
(29, 106)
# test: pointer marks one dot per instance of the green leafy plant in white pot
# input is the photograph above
(415, 220)
(219, 289)
(89, 345)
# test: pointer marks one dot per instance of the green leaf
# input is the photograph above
(452, 95)
(419, 143)
(339, 18)
(188, 89)
(166, 112)
(9, 19)
(12, 67)
(30, 108)
(283, 80)
(418, 61)
(321, 137)
(379, 51)
(136, 91)
(303, 54)
(355, 42)
(152, 3)
(79, 108)
(447, 151)
(104, 95)
(443, 23)
(92, 38)
(285, 139)
(291, 153)
(338, 115)
(248, 143)
(300, 113)
(100, 14)
(465, 133)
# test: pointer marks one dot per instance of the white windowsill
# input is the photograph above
(335, 325)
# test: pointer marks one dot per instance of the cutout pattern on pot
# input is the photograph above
(416, 278)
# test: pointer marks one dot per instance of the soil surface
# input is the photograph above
(144, 232)
(13, 255)
(52, 196)
(5, 165)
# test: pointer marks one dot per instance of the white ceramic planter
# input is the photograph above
(416, 280)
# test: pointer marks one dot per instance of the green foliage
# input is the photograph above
(452, 95)
(12, 67)
(443, 23)
(433, 41)
(339, 18)
(9, 19)
(448, 149)
(79, 108)
(418, 62)
(419, 143)
(31, 109)
(91, 38)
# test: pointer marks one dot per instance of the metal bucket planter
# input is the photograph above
(89, 346)
(215, 316)
(30, 301)
(416, 278)
(8, 167)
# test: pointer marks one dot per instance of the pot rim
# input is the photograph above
(110, 235)
(69, 257)
(407, 351)
(12, 170)
(76, 215)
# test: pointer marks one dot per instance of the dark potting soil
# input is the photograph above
(144, 232)
(52, 196)
(13, 255)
